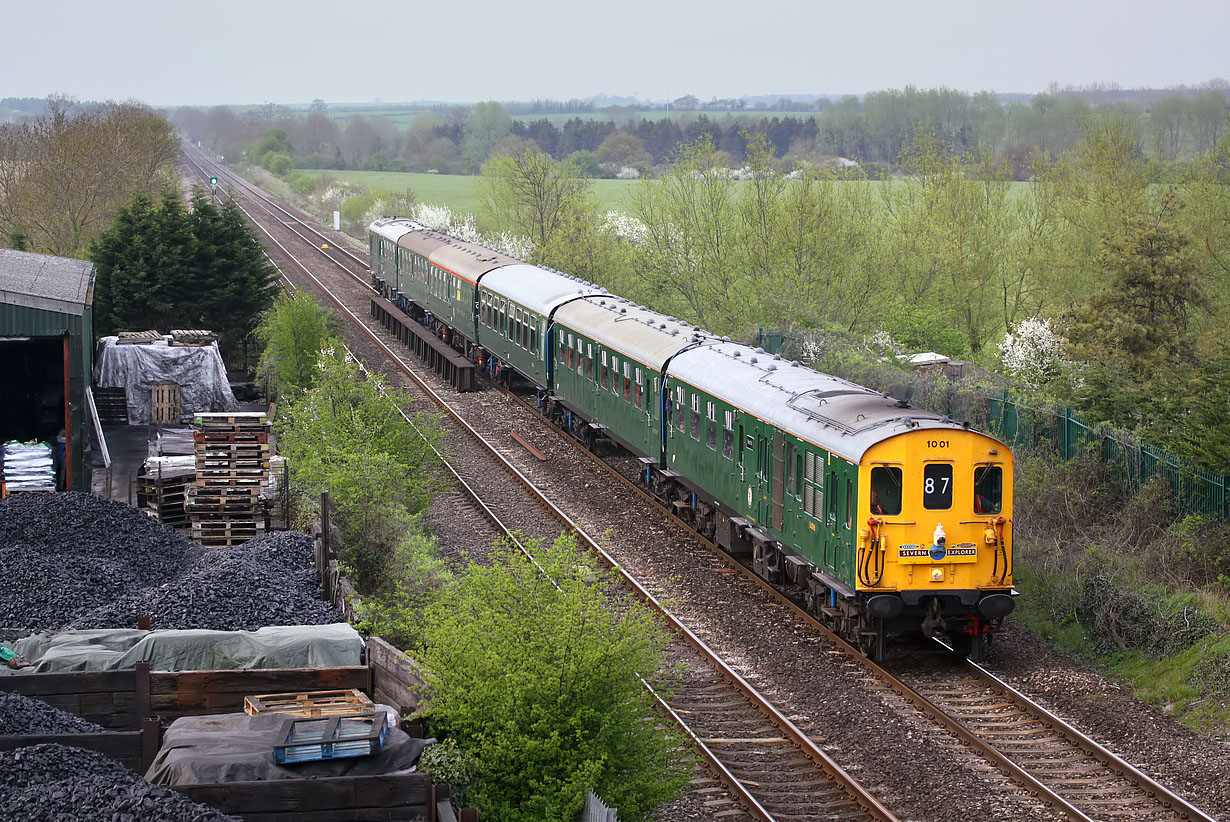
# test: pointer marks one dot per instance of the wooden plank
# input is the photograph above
(394, 676)
(266, 680)
(180, 693)
(77, 682)
(323, 794)
(404, 813)
(541, 457)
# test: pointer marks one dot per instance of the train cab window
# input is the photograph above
(988, 489)
(937, 486)
(885, 491)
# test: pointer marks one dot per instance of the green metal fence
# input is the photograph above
(1199, 491)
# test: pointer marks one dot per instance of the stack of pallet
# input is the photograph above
(232, 462)
(163, 487)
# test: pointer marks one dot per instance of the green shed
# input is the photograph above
(46, 344)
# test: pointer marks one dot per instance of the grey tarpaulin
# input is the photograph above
(197, 370)
(202, 750)
(285, 646)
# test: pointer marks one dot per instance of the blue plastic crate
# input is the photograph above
(333, 737)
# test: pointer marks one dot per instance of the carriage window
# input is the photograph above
(885, 490)
(832, 496)
(988, 489)
(789, 473)
(696, 425)
(728, 443)
(937, 486)
(711, 437)
(849, 504)
(813, 485)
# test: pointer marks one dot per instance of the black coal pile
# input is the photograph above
(48, 783)
(66, 554)
(23, 715)
(270, 580)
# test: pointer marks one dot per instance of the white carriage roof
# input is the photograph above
(394, 228)
(58, 284)
(466, 260)
(638, 332)
(538, 289)
(833, 413)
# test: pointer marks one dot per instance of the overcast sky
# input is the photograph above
(257, 51)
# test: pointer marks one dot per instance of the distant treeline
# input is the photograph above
(1177, 125)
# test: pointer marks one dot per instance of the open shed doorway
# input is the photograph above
(32, 402)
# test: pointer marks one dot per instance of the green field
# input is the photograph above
(457, 191)
(402, 117)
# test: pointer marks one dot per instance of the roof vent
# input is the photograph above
(725, 339)
(662, 325)
(759, 350)
(737, 354)
(777, 357)
(602, 302)
(623, 311)
(674, 332)
(772, 367)
(753, 359)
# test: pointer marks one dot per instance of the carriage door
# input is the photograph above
(779, 477)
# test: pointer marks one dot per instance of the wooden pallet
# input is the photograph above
(230, 436)
(225, 482)
(249, 463)
(235, 418)
(223, 450)
(164, 401)
(137, 337)
(222, 542)
(309, 704)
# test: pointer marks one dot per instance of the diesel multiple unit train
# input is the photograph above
(887, 519)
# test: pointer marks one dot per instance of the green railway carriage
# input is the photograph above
(607, 359)
(515, 304)
(432, 276)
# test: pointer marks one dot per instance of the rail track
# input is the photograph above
(1065, 770)
(767, 768)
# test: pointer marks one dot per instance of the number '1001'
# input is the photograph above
(937, 443)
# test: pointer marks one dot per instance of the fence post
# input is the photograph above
(324, 524)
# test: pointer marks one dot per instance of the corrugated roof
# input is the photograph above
(58, 284)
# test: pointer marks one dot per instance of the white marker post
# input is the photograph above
(337, 221)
